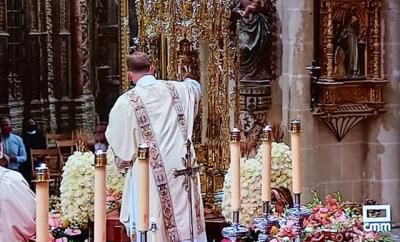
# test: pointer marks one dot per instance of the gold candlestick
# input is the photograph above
(100, 197)
(42, 203)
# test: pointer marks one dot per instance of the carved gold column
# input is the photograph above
(329, 44)
(375, 38)
(124, 25)
(164, 56)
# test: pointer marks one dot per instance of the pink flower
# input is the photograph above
(371, 235)
(73, 232)
(110, 198)
(54, 220)
(324, 210)
(340, 217)
(62, 240)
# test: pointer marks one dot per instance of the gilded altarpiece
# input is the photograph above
(348, 86)
(194, 37)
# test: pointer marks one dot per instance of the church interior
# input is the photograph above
(327, 71)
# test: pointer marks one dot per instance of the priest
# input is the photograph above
(17, 206)
(160, 114)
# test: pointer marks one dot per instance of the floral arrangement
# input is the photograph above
(60, 232)
(333, 221)
(250, 178)
(77, 193)
(337, 221)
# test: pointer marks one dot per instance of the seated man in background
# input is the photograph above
(13, 147)
(33, 139)
(17, 206)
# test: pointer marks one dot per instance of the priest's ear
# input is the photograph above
(130, 77)
(152, 70)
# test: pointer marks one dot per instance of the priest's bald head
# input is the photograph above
(139, 65)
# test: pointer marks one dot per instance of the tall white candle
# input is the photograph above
(143, 188)
(266, 147)
(235, 166)
(295, 130)
(100, 197)
(42, 203)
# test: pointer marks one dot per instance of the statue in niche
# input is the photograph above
(347, 45)
(255, 27)
(187, 59)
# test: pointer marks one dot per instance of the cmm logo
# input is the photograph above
(377, 218)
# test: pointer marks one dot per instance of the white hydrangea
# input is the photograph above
(250, 180)
(77, 186)
(77, 193)
(115, 179)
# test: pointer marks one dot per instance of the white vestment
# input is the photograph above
(17, 207)
(124, 135)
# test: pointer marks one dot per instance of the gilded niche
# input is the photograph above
(347, 87)
(350, 39)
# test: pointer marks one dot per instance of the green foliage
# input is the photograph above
(315, 200)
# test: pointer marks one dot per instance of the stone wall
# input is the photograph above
(366, 163)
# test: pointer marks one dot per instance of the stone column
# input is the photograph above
(382, 176)
(296, 23)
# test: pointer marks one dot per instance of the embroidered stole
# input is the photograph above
(184, 129)
(157, 165)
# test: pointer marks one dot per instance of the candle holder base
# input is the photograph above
(143, 236)
(299, 213)
(265, 223)
(234, 232)
(264, 237)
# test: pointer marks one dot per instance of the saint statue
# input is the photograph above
(255, 26)
(347, 59)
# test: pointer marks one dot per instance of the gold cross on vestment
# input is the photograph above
(191, 169)
(190, 173)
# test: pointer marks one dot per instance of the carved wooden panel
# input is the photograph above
(36, 76)
(62, 48)
(3, 54)
(16, 51)
(105, 55)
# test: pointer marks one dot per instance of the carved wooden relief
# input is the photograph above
(4, 36)
(348, 86)
(35, 56)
